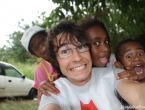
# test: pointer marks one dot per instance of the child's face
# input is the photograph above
(100, 46)
(38, 45)
(132, 55)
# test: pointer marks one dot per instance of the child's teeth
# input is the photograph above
(139, 72)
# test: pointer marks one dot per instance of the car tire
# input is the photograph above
(32, 94)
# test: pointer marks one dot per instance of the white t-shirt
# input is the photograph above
(111, 62)
(99, 92)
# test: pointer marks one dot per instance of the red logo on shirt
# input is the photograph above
(90, 106)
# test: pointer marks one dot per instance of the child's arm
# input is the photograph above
(133, 92)
(47, 86)
(130, 74)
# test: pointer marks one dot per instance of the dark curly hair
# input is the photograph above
(118, 48)
(72, 33)
(86, 24)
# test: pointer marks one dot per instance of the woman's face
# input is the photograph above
(100, 46)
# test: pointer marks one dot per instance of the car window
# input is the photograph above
(12, 72)
(0, 70)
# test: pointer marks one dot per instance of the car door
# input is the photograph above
(2, 81)
(15, 82)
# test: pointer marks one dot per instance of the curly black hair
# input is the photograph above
(118, 48)
(88, 23)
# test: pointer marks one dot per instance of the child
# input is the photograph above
(100, 42)
(130, 54)
(34, 40)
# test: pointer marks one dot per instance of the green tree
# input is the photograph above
(15, 51)
(123, 18)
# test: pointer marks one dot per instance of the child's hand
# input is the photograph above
(129, 74)
(49, 86)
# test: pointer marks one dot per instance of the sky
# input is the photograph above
(12, 11)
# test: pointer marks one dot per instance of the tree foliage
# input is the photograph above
(15, 50)
(123, 18)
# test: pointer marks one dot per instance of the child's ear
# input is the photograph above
(118, 65)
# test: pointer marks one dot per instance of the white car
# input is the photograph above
(13, 83)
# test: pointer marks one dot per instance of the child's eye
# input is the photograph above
(128, 56)
(140, 53)
(35, 47)
(96, 43)
(107, 42)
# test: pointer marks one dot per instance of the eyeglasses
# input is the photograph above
(65, 52)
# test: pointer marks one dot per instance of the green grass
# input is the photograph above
(19, 104)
